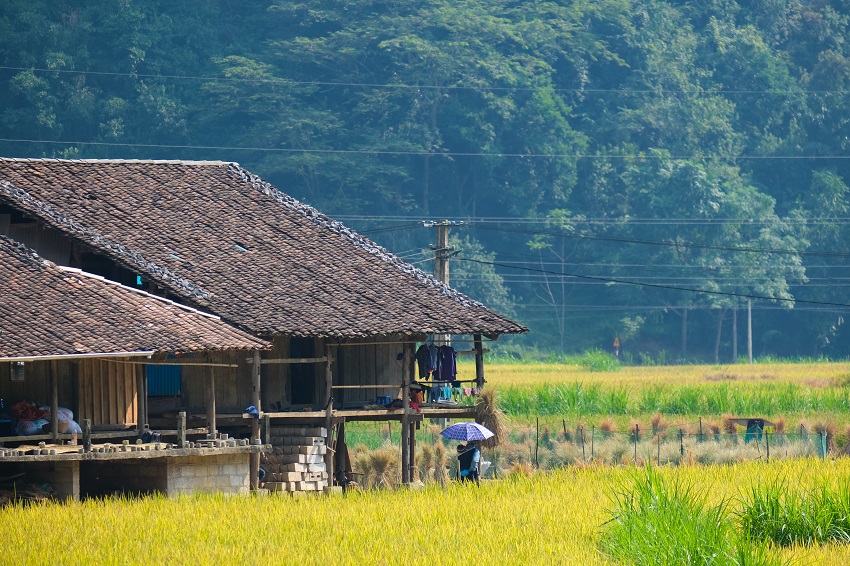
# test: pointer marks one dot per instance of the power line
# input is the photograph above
(436, 154)
(667, 244)
(658, 285)
(407, 86)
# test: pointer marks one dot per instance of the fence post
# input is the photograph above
(537, 445)
(701, 437)
(658, 436)
(636, 439)
(682, 443)
(767, 444)
(581, 433)
(564, 422)
(592, 442)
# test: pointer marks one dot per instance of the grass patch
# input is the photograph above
(775, 513)
(657, 521)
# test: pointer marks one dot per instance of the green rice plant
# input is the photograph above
(668, 522)
(775, 513)
(597, 360)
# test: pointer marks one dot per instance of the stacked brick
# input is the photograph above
(297, 459)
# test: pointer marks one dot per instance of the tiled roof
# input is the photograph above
(231, 243)
(47, 310)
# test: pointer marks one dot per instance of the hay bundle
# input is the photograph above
(488, 414)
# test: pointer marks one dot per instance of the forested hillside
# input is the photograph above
(622, 168)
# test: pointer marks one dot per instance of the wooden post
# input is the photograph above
(405, 418)
(637, 433)
(581, 433)
(254, 459)
(329, 412)
(658, 437)
(209, 386)
(479, 361)
(537, 444)
(592, 447)
(141, 399)
(767, 444)
(54, 400)
(412, 435)
(267, 429)
(87, 435)
(181, 429)
(681, 443)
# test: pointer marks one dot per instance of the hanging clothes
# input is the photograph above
(447, 363)
(424, 361)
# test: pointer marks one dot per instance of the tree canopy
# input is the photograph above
(625, 168)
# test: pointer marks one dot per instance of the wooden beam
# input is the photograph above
(321, 360)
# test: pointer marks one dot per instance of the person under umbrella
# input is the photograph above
(469, 460)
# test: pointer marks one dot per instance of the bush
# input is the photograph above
(597, 360)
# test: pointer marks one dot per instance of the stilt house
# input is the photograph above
(343, 314)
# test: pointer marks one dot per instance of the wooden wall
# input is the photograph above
(367, 364)
(107, 392)
(36, 385)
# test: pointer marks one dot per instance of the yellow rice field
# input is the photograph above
(544, 519)
(820, 374)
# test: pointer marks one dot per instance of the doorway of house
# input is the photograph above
(302, 376)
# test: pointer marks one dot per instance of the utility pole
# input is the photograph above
(442, 253)
(442, 250)
(750, 330)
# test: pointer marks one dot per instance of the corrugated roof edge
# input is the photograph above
(339, 228)
(50, 214)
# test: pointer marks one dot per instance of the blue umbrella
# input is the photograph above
(467, 432)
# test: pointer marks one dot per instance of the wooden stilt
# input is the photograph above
(209, 386)
(54, 400)
(479, 361)
(329, 411)
(254, 476)
(141, 399)
(405, 418)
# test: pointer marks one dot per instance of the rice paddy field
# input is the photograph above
(796, 391)
(560, 517)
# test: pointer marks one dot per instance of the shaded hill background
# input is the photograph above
(608, 158)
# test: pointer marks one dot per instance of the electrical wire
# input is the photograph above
(412, 153)
(399, 85)
(658, 285)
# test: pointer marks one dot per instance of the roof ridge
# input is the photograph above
(88, 236)
(357, 239)
(58, 160)
(22, 252)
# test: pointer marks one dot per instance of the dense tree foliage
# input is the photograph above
(627, 168)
